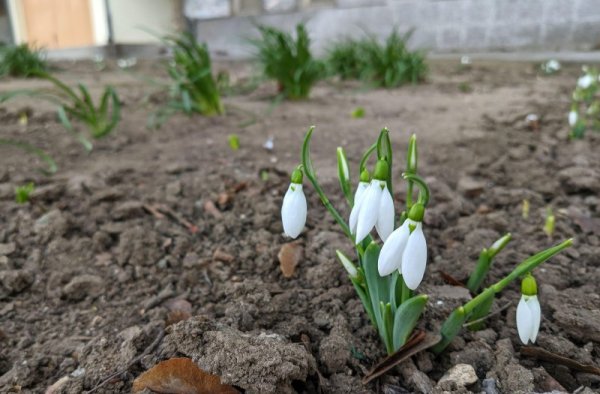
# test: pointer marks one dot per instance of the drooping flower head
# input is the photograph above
(406, 249)
(529, 313)
(293, 209)
(373, 206)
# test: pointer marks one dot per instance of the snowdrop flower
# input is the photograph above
(375, 207)
(528, 311)
(572, 118)
(585, 82)
(363, 185)
(406, 250)
(293, 210)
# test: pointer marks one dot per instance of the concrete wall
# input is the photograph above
(133, 18)
(440, 25)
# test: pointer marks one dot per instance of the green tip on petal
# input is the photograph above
(529, 285)
(365, 176)
(297, 176)
(416, 213)
(382, 170)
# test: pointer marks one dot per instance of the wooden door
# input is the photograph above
(58, 23)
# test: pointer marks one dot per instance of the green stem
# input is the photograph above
(422, 185)
(384, 152)
(365, 157)
(523, 268)
(312, 177)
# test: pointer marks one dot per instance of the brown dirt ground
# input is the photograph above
(88, 276)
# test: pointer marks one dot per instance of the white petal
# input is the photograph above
(293, 211)
(385, 220)
(524, 320)
(572, 118)
(360, 190)
(358, 197)
(369, 210)
(536, 316)
(414, 258)
(390, 257)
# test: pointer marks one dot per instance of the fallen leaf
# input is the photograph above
(289, 256)
(180, 376)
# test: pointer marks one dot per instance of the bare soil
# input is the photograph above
(90, 277)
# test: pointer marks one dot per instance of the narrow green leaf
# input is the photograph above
(406, 318)
(450, 329)
(378, 287)
(64, 120)
(484, 263)
(479, 312)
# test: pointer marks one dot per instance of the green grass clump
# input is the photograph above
(194, 88)
(288, 60)
(22, 193)
(21, 61)
(389, 64)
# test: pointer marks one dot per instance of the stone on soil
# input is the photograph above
(460, 375)
(82, 286)
(15, 281)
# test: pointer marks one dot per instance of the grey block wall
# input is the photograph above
(441, 26)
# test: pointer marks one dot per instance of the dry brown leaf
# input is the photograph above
(289, 256)
(180, 376)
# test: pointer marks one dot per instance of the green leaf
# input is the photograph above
(450, 328)
(406, 318)
(64, 119)
(378, 287)
(484, 263)
(480, 311)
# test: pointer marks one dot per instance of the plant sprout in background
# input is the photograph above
(585, 105)
(390, 64)
(193, 89)
(21, 61)
(22, 193)
(288, 60)
(386, 277)
(99, 118)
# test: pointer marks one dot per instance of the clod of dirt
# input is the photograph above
(513, 377)
(48, 193)
(580, 323)
(180, 376)
(478, 354)
(470, 187)
(210, 208)
(52, 224)
(15, 281)
(264, 363)
(82, 286)
(415, 379)
(138, 246)
(580, 179)
(225, 257)
(7, 249)
(334, 350)
(289, 256)
(460, 375)
(128, 210)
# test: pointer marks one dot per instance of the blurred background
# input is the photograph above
(439, 25)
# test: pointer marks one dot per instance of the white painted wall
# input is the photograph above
(131, 17)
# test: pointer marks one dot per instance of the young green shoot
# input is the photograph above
(23, 192)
